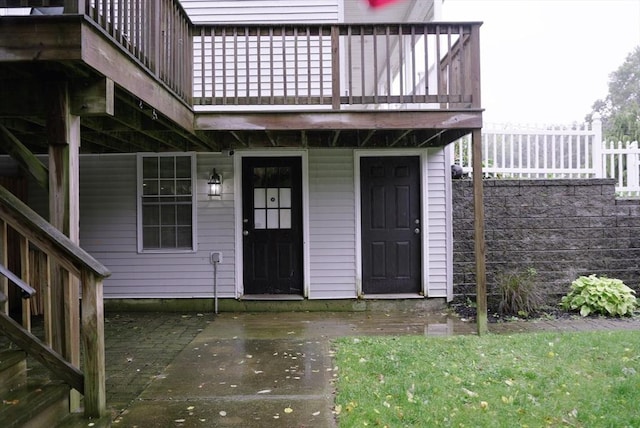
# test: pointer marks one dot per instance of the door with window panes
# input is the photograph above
(272, 225)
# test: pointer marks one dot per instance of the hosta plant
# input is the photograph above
(600, 295)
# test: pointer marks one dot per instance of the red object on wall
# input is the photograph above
(380, 3)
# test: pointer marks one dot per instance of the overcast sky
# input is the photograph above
(547, 61)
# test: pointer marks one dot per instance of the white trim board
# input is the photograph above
(237, 171)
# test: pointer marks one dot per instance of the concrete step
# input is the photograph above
(35, 406)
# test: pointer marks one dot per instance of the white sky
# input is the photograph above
(547, 61)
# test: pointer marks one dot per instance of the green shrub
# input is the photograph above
(600, 295)
(519, 294)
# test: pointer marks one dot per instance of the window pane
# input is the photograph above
(184, 237)
(272, 198)
(149, 167)
(183, 187)
(259, 198)
(285, 198)
(168, 215)
(285, 177)
(183, 167)
(285, 219)
(183, 215)
(150, 187)
(272, 178)
(259, 177)
(150, 215)
(272, 219)
(151, 237)
(167, 187)
(168, 237)
(260, 219)
(167, 167)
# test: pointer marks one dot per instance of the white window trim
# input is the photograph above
(194, 207)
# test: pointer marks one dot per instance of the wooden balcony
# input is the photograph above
(180, 86)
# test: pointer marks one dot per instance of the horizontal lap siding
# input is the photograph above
(437, 224)
(108, 229)
(332, 224)
(255, 11)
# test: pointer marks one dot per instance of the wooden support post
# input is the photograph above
(63, 132)
(93, 346)
(478, 239)
(24, 275)
(4, 259)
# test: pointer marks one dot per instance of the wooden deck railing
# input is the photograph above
(34, 231)
(393, 66)
(426, 65)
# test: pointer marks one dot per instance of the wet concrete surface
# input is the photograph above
(265, 370)
(257, 369)
(276, 369)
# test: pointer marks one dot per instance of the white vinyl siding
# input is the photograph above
(108, 205)
(257, 11)
(332, 224)
(438, 274)
(108, 232)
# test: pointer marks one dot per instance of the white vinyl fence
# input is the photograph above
(554, 152)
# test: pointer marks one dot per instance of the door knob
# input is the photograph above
(416, 231)
(245, 232)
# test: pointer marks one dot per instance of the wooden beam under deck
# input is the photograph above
(78, 44)
(338, 120)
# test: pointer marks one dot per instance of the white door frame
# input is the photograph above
(239, 249)
(422, 154)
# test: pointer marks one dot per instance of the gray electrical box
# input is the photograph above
(215, 257)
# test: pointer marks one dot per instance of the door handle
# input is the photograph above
(245, 232)
(416, 231)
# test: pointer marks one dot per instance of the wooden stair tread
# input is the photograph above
(43, 405)
(13, 371)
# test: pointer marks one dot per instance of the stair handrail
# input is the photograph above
(67, 254)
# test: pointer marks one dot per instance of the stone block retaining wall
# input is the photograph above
(561, 228)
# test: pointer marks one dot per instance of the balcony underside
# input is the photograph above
(141, 113)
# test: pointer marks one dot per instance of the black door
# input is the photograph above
(272, 225)
(391, 226)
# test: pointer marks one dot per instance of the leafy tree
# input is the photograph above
(620, 110)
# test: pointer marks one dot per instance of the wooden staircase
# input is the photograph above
(37, 382)
(25, 403)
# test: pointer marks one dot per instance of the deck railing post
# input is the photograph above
(474, 66)
(74, 6)
(335, 67)
(93, 346)
(155, 38)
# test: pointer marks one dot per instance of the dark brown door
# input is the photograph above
(391, 225)
(272, 225)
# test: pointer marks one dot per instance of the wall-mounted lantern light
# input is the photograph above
(215, 184)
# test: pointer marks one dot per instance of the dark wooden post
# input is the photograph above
(93, 346)
(478, 188)
(63, 132)
(478, 239)
(4, 259)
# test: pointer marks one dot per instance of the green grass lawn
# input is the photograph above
(589, 379)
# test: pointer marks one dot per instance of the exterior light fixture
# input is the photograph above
(215, 184)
